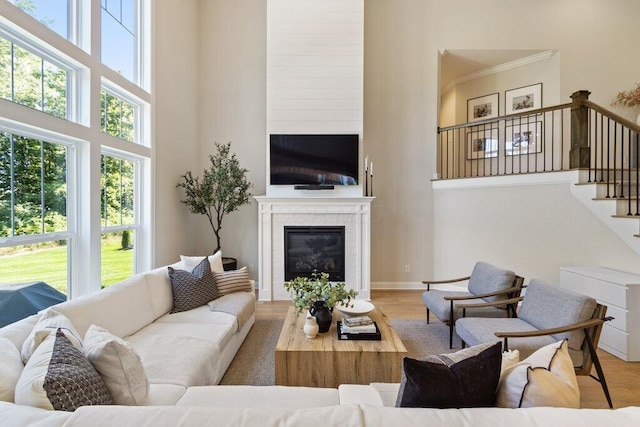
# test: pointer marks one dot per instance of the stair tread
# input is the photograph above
(615, 198)
(626, 216)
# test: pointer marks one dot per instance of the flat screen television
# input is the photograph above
(314, 159)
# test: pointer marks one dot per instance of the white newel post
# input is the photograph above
(275, 213)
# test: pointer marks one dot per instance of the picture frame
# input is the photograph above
(482, 143)
(523, 99)
(483, 107)
(523, 138)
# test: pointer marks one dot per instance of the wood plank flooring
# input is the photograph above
(622, 377)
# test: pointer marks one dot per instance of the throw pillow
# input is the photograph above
(59, 377)
(233, 281)
(10, 369)
(192, 289)
(215, 261)
(546, 378)
(509, 358)
(119, 366)
(49, 322)
(467, 378)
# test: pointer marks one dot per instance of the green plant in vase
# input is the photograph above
(318, 295)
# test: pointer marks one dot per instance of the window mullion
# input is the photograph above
(13, 71)
(42, 207)
(13, 184)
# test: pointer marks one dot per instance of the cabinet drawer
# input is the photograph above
(608, 293)
(615, 339)
(619, 317)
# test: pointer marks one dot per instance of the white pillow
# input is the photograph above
(546, 378)
(10, 369)
(509, 358)
(49, 322)
(215, 261)
(119, 366)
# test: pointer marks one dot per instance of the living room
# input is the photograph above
(208, 84)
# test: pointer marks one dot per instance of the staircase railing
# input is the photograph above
(614, 155)
(577, 135)
(529, 142)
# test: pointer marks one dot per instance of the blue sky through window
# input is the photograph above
(118, 36)
(53, 13)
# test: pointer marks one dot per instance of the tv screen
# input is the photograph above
(314, 159)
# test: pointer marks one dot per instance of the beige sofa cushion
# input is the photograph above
(122, 309)
(343, 416)
(273, 397)
(49, 322)
(10, 369)
(19, 415)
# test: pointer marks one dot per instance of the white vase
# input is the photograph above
(310, 327)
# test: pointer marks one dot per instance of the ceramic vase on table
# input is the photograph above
(322, 314)
(310, 327)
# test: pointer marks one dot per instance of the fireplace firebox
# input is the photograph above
(314, 248)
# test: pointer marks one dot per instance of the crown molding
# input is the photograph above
(542, 56)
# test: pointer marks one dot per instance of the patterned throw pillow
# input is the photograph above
(466, 378)
(59, 377)
(192, 289)
(119, 366)
(233, 281)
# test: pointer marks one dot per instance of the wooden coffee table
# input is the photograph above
(326, 361)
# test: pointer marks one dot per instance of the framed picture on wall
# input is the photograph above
(482, 143)
(482, 107)
(523, 138)
(523, 99)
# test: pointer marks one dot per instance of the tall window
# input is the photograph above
(33, 210)
(52, 13)
(50, 176)
(30, 80)
(119, 222)
(118, 117)
(120, 37)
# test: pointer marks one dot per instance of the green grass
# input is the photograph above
(50, 265)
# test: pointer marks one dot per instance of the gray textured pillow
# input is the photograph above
(193, 289)
(71, 381)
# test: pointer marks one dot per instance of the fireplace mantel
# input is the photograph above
(274, 213)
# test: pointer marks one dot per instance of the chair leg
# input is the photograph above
(596, 362)
(451, 326)
(464, 344)
(427, 315)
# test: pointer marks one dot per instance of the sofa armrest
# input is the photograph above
(359, 394)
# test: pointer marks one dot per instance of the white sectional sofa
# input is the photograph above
(179, 350)
(186, 354)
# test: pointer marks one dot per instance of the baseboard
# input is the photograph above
(388, 286)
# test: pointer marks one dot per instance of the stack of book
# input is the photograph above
(358, 328)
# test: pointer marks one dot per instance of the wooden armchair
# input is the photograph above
(487, 283)
(548, 314)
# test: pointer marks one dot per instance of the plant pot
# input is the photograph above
(322, 314)
(229, 263)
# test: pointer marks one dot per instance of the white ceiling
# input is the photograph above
(458, 63)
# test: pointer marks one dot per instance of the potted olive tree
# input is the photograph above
(223, 188)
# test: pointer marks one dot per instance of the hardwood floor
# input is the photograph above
(622, 377)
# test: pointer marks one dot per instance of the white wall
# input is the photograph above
(401, 43)
(530, 227)
(176, 125)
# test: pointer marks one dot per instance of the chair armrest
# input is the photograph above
(444, 282)
(491, 304)
(490, 294)
(561, 329)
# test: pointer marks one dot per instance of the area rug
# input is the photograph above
(254, 363)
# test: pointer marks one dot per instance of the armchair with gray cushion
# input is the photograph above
(487, 284)
(547, 314)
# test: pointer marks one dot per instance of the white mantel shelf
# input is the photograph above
(274, 213)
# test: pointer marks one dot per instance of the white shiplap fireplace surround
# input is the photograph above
(315, 69)
(276, 213)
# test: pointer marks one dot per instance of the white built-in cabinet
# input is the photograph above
(620, 292)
